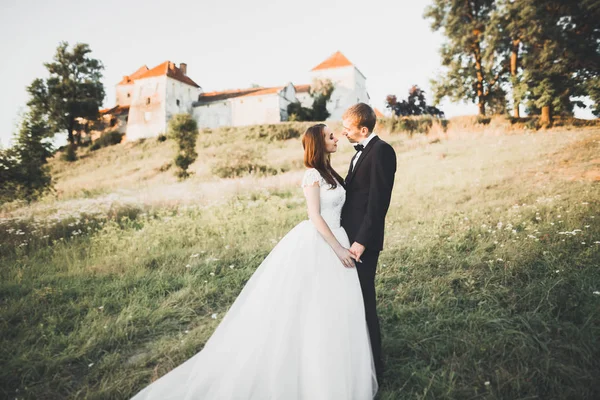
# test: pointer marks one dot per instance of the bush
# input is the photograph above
(241, 162)
(276, 132)
(109, 138)
(161, 138)
(411, 125)
(184, 130)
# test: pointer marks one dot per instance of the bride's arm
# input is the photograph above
(314, 213)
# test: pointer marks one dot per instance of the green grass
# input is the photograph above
(488, 287)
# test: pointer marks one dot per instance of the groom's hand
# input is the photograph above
(357, 249)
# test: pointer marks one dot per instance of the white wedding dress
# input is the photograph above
(297, 330)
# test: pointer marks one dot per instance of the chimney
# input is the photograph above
(183, 68)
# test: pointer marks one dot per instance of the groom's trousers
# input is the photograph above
(366, 275)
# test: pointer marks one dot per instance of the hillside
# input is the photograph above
(488, 287)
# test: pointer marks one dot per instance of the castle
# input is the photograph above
(148, 98)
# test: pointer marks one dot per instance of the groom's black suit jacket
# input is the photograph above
(368, 192)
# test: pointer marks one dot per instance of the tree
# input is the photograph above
(415, 104)
(73, 90)
(184, 129)
(25, 173)
(320, 91)
(553, 50)
(473, 69)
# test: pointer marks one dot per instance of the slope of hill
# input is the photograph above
(489, 285)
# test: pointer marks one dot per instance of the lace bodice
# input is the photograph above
(331, 200)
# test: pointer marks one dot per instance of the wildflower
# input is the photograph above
(212, 274)
(90, 365)
(232, 266)
(101, 308)
(596, 292)
(487, 383)
(188, 266)
(214, 316)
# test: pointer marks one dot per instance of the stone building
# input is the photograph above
(148, 98)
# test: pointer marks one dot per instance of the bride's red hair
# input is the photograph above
(315, 156)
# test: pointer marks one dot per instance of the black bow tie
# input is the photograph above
(359, 147)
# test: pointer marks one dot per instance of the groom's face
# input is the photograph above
(352, 131)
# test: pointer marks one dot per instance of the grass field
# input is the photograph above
(488, 287)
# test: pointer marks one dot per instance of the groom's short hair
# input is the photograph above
(362, 115)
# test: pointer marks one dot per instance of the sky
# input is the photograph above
(226, 44)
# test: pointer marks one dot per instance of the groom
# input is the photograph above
(368, 190)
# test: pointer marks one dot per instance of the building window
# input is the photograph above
(177, 102)
(148, 101)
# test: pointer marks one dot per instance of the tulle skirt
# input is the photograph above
(296, 331)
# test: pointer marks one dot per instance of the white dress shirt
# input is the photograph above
(364, 142)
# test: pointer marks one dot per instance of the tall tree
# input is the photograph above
(473, 68)
(73, 90)
(415, 104)
(24, 170)
(561, 54)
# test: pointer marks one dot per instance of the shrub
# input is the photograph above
(275, 132)
(109, 138)
(161, 138)
(241, 162)
(411, 125)
(184, 130)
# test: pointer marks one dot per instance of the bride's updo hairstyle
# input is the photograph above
(315, 156)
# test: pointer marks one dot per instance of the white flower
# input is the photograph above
(90, 365)
(212, 274)
(214, 316)
(487, 383)
(101, 308)
(188, 266)
(232, 266)
(597, 293)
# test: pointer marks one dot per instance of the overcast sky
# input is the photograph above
(226, 44)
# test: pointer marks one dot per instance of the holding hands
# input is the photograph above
(349, 256)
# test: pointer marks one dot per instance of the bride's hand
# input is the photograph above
(345, 257)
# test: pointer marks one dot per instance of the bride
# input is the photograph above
(297, 330)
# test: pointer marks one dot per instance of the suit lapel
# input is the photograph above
(350, 168)
(362, 157)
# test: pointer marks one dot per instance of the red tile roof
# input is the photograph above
(167, 68)
(116, 110)
(265, 91)
(228, 94)
(337, 60)
(225, 94)
(302, 88)
(128, 79)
